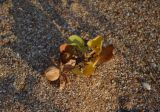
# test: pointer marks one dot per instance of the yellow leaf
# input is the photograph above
(96, 44)
(77, 71)
(89, 69)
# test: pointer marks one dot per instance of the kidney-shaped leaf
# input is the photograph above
(96, 44)
(77, 41)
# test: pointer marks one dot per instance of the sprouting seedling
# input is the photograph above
(79, 58)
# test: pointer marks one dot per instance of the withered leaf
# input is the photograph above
(65, 53)
(64, 48)
(69, 65)
(71, 62)
(76, 71)
(65, 57)
(52, 73)
(106, 54)
(89, 69)
(62, 80)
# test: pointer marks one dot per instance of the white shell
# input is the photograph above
(52, 73)
(146, 85)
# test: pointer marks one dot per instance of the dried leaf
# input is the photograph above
(62, 80)
(71, 62)
(89, 69)
(75, 40)
(96, 44)
(106, 54)
(66, 52)
(52, 73)
(65, 57)
(69, 65)
(64, 48)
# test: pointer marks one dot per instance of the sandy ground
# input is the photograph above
(32, 30)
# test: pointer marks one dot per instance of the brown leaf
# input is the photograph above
(65, 57)
(52, 73)
(69, 65)
(62, 47)
(106, 54)
(71, 62)
(66, 53)
(65, 48)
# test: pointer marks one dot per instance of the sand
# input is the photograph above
(32, 30)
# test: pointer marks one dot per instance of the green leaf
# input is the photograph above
(77, 41)
(96, 44)
(74, 39)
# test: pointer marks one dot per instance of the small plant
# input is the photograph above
(79, 58)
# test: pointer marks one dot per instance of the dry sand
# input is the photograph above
(32, 30)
